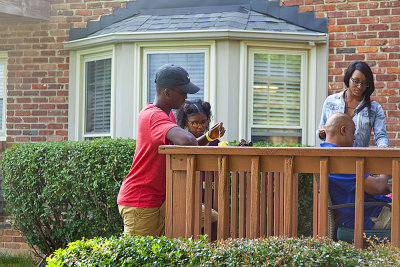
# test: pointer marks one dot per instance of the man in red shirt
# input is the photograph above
(141, 199)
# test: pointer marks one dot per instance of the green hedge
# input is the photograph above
(273, 251)
(60, 192)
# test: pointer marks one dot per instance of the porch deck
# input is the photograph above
(255, 189)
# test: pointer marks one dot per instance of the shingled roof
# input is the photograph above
(194, 15)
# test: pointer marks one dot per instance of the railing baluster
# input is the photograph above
(315, 204)
(197, 203)
(190, 195)
(242, 205)
(255, 198)
(281, 203)
(223, 212)
(395, 238)
(270, 203)
(234, 204)
(288, 195)
(263, 204)
(168, 199)
(359, 208)
(277, 203)
(295, 203)
(208, 203)
(248, 201)
(323, 197)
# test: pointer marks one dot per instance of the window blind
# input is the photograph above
(193, 63)
(98, 96)
(276, 90)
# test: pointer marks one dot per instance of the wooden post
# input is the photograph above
(395, 238)
(359, 208)
(288, 196)
(255, 198)
(323, 204)
(223, 212)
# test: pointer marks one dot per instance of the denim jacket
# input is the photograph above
(335, 103)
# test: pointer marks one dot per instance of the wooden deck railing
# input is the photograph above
(254, 190)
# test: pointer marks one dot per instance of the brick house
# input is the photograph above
(78, 69)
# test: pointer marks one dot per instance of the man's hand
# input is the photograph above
(377, 185)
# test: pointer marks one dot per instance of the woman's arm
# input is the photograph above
(321, 132)
(381, 137)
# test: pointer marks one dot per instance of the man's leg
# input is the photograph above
(143, 221)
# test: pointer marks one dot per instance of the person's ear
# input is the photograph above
(343, 130)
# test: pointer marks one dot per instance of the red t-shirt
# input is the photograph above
(144, 186)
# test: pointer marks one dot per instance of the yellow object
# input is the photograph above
(223, 143)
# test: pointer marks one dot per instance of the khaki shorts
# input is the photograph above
(150, 221)
(384, 219)
(143, 221)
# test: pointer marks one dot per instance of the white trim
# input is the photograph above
(3, 60)
(290, 37)
(106, 52)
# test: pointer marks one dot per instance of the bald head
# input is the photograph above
(340, 129)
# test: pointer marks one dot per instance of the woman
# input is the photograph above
(355, 101)
(195, 117)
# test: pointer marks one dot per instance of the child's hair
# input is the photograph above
(192, 108)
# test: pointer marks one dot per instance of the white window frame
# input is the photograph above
(84, 57)
(247, 51)
(3, 61)
(143, 50)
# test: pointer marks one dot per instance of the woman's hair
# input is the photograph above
(190, 108)
(366, 70)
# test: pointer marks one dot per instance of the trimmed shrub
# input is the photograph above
(273, 251)
(60, 192)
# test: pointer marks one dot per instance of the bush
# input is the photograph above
(62, 191)
(273, 251)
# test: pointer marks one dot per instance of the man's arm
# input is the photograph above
(377, 185)
(178, 136)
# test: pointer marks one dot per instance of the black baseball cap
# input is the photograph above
(169, 75)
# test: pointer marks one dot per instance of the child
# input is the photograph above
(195, 116)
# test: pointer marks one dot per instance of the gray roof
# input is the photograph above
(193, 15)
(234, 20)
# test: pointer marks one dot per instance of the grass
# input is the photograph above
(17, 260)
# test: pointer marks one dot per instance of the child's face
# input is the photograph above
(197, 124)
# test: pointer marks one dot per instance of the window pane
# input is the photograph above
(276, 93)
(98, 96)
(193, 63)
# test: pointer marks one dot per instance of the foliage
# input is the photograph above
(59, 192)
(17, 260)
(273, 251)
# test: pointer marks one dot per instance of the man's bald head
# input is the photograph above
(340, 129)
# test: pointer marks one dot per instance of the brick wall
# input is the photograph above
(37, 102)
(366, 31)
